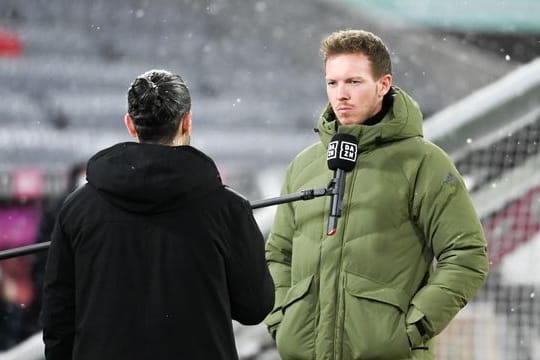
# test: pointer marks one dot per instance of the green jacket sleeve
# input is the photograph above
(445, 215)
(278, 256)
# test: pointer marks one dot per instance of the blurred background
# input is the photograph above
(257, 84)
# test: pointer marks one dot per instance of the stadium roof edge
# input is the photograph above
(513, 96)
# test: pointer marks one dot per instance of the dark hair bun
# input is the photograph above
(148, 93)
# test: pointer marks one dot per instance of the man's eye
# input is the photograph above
(330, 83)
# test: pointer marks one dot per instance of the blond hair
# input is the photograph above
(359, 42)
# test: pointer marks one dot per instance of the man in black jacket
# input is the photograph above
(154, 256)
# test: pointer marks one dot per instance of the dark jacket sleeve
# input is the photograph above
(58, 312)
(251, 288)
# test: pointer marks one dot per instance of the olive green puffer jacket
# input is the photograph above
(359, 293)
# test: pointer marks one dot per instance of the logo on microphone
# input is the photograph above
(343, 150)
(332, 150)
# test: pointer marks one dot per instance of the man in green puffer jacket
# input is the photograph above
(409, 251)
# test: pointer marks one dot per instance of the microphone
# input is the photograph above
(341, 157)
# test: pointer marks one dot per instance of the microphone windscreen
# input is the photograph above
(342, 152)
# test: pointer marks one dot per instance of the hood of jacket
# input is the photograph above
(151, 178)
(403, 120)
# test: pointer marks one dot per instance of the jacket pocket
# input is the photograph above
(374, 325)
(272, 322)
(295, 334)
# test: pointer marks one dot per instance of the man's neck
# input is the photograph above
(387, 103)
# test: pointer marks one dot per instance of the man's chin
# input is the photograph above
(349, 120)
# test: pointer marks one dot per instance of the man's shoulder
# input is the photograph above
(77, 204)
(309, 154)
(233, 194)
(421, 147)
(433, 152)
(428, 156)
(307, 166)
(77, 196)
(225, 197)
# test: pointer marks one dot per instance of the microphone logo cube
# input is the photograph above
(348, 151)
(332, 150)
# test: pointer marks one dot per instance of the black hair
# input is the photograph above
(157, 101)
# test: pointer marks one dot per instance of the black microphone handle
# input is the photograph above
(336, 201)
(302, 195)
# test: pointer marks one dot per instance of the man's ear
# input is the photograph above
(128, 121)
(386, 84)
(185, 125)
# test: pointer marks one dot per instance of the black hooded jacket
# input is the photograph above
(151, 260)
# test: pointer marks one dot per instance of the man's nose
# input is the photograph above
(342, 92)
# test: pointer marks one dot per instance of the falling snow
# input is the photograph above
(242, 58)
